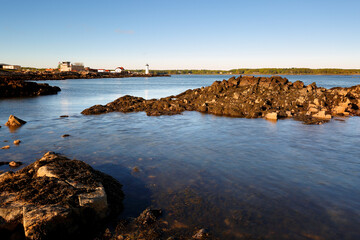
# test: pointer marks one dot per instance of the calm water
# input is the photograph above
(240, 178)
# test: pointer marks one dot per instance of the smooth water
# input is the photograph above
(239, 178)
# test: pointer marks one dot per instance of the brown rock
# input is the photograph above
(14, 164)
(57, 198)
(6, 147)
(17, 142)
(250, 97)
(322, 115)
(14, 122)
(272, 116)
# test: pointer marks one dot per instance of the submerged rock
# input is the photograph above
(249, 97)
(55, 198)
(148, 226)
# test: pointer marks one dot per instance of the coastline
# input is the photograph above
(40, 76)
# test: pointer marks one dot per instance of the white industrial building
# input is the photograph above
(10, 67)
(68, 67)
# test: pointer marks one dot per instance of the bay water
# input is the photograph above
(239, 178)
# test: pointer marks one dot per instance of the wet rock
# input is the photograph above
(19, 88)
(6, 147)
(248, 97)
(14, 121)
(149, 216)
(14, 164)
(64, 116)
(55, 198)
(65, 135)
(17, 142)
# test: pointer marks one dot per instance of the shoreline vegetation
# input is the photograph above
(262, 71)
(42, 74)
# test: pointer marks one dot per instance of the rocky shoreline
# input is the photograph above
(249, 97)
(59, 198)
(21, 88)
(68, 75)
(56, 197)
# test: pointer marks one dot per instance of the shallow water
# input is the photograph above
(237, 177)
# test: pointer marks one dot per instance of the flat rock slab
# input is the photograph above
(56, 198)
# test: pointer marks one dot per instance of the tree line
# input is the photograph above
(262, 71)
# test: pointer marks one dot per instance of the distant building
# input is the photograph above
(65, 67)
(10, 67)
(87, 69)
(101, 70)
(68, 67)
(77, 67)
(147, 69)
(119, 69)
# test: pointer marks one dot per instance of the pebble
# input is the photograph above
(136, 169)
(17, 142)
(65, 135)
(6, 147)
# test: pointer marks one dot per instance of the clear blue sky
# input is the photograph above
(186, 34)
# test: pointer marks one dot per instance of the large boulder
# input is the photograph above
(56, 198)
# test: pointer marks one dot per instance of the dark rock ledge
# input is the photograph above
(249, 97)
(56, 198)
(20, 88)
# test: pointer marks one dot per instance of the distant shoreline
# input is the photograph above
(43, 76)
(252, 74)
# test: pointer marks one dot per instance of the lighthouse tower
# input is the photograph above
(147, 69)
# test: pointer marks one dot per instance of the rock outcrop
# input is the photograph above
(20, 88)
(55, 198)
(249, 97)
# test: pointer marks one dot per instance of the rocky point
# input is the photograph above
(249, 97)
(21, 88)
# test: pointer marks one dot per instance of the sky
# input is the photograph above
(186, 34)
